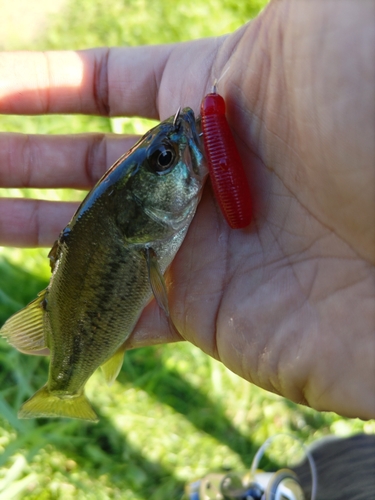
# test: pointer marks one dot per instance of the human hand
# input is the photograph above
(289, 302)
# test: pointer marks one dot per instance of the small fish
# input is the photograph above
(107, 263)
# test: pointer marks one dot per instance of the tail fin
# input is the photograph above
(46, 404)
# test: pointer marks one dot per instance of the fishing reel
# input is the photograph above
(255, 484)
(281, 485)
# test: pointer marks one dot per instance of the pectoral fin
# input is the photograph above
(112, 367)
(157, 281)
(25, 329)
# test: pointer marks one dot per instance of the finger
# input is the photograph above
(76, 161)
(32, 223)
(116, 81)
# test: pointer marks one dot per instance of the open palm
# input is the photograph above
(289, 302)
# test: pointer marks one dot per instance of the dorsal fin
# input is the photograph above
(25, 329)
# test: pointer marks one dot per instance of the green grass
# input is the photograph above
(174, 414)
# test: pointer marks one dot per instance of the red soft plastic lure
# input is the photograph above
(224, 163)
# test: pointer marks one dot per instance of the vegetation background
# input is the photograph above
(174, 414)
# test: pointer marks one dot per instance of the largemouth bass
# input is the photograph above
(107, 263)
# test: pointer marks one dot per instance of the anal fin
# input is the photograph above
(25, 329)
(111, 368)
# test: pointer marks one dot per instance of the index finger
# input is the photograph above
(116, 81)
(101, 81)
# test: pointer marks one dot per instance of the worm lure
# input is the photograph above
(224, 163)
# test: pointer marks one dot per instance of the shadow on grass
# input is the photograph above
(98, 451)
(144, 369)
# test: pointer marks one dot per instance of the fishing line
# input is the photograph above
(216, 81)
(259, 454)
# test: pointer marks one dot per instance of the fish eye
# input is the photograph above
(163, 159)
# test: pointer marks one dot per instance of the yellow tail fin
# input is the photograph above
(46, 404)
